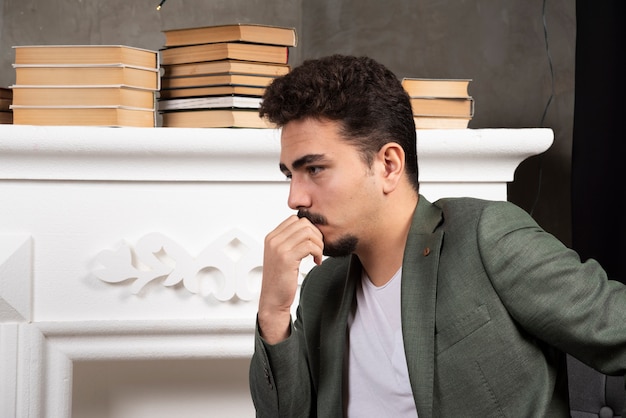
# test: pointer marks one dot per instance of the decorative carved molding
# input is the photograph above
(227, 268)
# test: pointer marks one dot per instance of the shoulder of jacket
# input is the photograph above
(473, 205)
(467, 210)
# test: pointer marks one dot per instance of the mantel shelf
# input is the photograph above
(191, 154)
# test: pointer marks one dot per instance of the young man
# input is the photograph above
(461, 307)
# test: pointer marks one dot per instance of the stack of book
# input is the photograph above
(215, 76)
(89, 85)
(6, 99)
(440, 103)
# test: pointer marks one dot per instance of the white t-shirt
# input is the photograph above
(376, 379)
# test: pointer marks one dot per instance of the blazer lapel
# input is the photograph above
(419, 289)
(334, 325)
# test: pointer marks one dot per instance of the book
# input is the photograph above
(210, 103)
(6, 118)
(441, 122)
(215, 118)
(86, 75)
(216, 80)
(241, 32)
(85, 54)
(225, 50)
(102, 95)
(436, 87)
(433, 106)
(6, 93)
(5, 104)
(6, 99)
(225, 66)
(211, 91)
(115, 116)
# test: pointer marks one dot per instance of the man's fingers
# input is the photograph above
(296, 237)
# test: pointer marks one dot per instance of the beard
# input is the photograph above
(341, 247)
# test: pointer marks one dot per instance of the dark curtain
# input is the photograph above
(599, 141)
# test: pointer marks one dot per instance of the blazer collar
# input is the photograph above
(419, 285)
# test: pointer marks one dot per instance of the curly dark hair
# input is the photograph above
(362, 94)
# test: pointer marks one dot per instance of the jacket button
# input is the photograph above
(426, 251)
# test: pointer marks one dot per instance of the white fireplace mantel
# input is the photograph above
(146, 243)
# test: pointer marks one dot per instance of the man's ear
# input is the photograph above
(392, 157)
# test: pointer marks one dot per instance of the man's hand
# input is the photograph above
(285, 247)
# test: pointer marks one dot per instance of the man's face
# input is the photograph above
(331, 184)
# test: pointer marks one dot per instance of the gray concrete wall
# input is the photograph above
(499, 44)
(127, 22)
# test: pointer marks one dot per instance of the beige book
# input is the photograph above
(436, 87)
(211, 91)
(85, 54)
(114, 95)
(225, 66)
(429, 106)
(225, 50)
(241, 32)
(436, 122)
(215, 118)
(115, 116)
(216, 80)
(86, 75)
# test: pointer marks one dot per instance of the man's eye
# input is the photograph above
(314, 170)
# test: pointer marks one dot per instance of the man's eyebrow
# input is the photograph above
(307, 159)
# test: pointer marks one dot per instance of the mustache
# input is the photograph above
(315, 218)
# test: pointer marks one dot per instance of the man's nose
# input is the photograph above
(299, 196)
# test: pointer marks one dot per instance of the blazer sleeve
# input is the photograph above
(569, 304)
(279, 378)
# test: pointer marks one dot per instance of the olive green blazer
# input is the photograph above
(490, 304)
